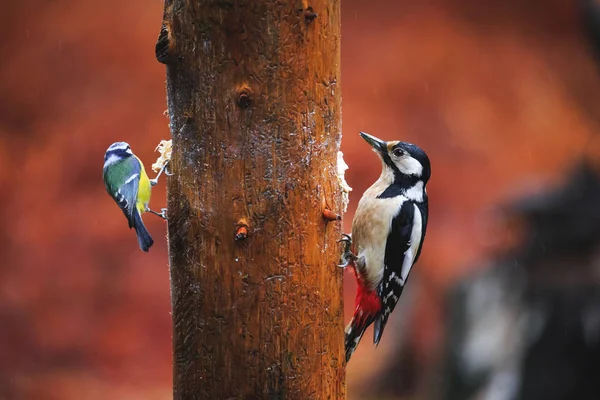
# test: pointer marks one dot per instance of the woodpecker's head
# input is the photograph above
(404, 160)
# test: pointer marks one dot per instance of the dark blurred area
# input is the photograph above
(528, 325)
(503, 95)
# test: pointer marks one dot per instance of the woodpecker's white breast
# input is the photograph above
(371, 227)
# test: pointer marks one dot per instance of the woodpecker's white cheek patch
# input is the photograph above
(415, 193)
(409, 166)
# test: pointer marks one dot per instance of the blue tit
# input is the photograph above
(128, 184)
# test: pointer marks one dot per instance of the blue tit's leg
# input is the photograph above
(347, 256)
(154, 181)
(162, 213)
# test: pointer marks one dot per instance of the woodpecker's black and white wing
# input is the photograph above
(401, 250)
(424, 209)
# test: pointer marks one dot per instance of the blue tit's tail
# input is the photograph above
(144, 239)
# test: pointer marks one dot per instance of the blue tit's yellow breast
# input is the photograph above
(144, 189)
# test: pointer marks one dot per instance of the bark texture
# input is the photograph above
(254, 102)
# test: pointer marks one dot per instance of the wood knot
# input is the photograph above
(326, 212)
(329, 215)
(164, 44)
(243, 96)
(309, 15)
(241, 233)
(243, 100)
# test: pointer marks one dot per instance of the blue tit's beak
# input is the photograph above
(377, 144)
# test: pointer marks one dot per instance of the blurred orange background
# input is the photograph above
(503, 95)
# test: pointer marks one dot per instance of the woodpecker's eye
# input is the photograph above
(398, 152)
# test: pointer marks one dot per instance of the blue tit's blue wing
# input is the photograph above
(122, 182)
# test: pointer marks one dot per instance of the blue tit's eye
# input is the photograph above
(398, 152)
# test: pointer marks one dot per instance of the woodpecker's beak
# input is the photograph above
(377, 144)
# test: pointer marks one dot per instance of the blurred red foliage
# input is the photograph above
(82, 310)
(503, 95)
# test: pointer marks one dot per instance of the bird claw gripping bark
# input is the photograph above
(347, 256)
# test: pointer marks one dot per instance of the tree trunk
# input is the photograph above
(254, 106)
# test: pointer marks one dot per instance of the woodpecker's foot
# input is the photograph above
(162, 213)
(347, 256)
(154, 182)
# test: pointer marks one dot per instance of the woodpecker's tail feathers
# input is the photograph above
(354, 332)
(389, 301)
(368, 308)
(144, 239)
(378, 326)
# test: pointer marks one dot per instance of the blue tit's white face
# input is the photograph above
(116, 152)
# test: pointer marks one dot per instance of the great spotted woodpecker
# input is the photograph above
(387, 235)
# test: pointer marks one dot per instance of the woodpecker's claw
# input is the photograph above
(167, 172)
(162, 213)
(347, 256)
(346, 238)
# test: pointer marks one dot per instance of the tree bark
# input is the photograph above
(254, 106)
